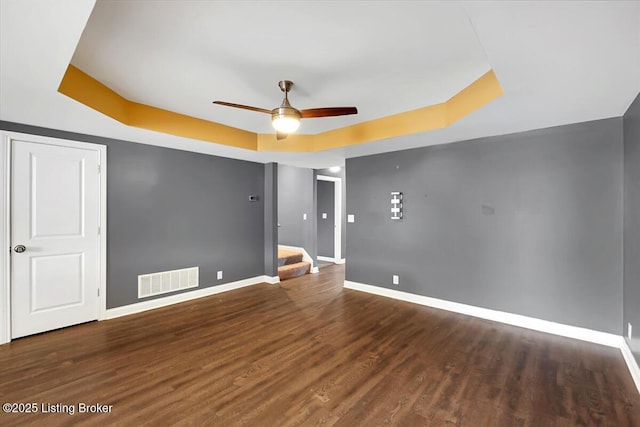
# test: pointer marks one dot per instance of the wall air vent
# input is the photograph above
(167, 281)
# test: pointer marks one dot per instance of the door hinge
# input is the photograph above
(98, 230)
(98, 168)
(98, 291)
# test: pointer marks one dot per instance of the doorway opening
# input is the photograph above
(329, 215)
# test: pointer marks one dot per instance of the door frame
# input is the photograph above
(6, 139)
(337, 230)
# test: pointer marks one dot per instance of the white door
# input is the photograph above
(55, 213)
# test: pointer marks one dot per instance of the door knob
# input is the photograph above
(19, 249)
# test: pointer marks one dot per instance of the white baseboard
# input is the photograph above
(315, 270)
(272, 280)
(185, 296)
(632, 364)
(333, 260)
(575, 332)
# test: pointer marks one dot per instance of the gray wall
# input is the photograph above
(342, 175)
(529, 223)
(296, 196)
(326, 226)
(632, 225)
(169, 209)
(271, 219)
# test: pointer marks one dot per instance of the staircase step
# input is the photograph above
(289, 271)
(288, 257)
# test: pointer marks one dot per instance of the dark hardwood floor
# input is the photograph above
(307, 352)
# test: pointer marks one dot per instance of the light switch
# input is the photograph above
(324, 215)
(304, 217)
(351, 218)
(396, 205)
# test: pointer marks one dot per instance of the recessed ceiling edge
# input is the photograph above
(85, 89)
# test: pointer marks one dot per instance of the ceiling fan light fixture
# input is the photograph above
(285, 119)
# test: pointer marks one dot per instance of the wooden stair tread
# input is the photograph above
(283, 253)
(293, 266)
(289, 271)
(286, 257)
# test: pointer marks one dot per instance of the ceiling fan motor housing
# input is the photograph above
(285, 111)
(285, 118)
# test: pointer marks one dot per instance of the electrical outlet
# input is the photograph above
(396, 279)
(220, 275)
(629, 330)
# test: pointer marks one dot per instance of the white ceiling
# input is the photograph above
(558, 63)
(180, 56)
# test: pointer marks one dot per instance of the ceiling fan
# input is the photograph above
(285, 118)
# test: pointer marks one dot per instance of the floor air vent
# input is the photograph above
(167, 281)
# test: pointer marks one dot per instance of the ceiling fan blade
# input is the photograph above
(328, 112)
(244, 107)
(280, 135)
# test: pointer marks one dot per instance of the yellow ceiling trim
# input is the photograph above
(90, 92)
(473, 97)
(480, 92)
(87, 90)
(152, 118)
(414, 121)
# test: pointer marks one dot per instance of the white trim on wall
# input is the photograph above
(139, 307)
(337, 206)
(272, 280)
(5, 280)
(5, 296)
(632, 364)
(532, 323)
(103, 233)
(329, 259)
(305, 255)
